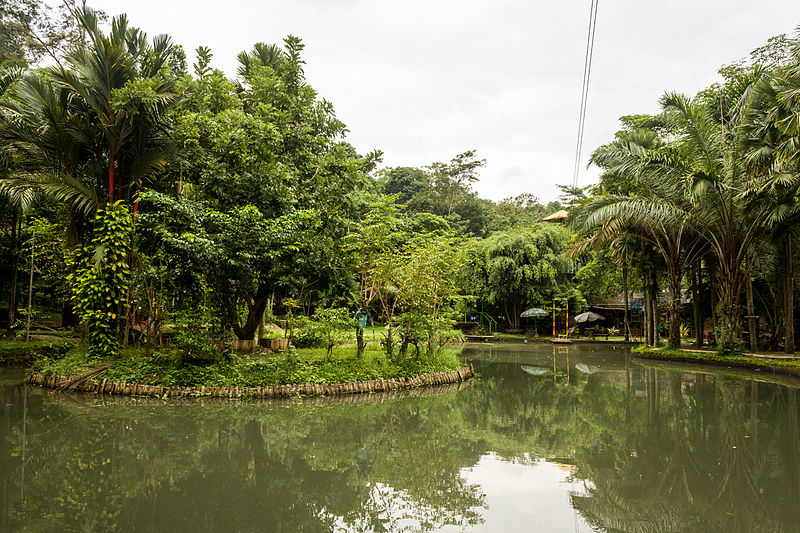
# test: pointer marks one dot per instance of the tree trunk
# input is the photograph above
(626, 319)
(111, 177)
(674, 339)
(12, 290)
(751, 310)
(256, 310)
(654, 303)
(389, 340)
(788, 293)
(712, 292)
(730, 316)
(69, 319)
(360, 344)
(648, 314)
(516, 306)
(698, 315)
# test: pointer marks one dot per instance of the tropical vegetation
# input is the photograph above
(168, 211)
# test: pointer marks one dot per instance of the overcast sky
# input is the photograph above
(425, 80)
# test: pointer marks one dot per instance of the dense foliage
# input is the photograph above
(239, 202)
(706, 192)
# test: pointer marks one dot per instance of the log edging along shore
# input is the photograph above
(105, 386)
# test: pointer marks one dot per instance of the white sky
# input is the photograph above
(425, 80)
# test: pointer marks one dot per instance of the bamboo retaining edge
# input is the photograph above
(105, 386)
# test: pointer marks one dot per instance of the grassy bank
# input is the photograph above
(13, 352)
(789, 367)
(248, 370)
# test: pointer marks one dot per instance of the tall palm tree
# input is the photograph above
(262, 55)
(708, 158)
(770, 140)
(117, 87)
(655, 208)
(15, 204)
(100, 118)
(94, 126)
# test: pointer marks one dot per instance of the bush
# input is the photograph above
(190, 345)
(307, 335)
(15, 352)
(327, 328)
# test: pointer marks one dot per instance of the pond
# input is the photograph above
(550, 438)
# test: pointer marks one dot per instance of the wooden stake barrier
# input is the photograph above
(274, 391)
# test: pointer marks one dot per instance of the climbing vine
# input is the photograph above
(101, 277)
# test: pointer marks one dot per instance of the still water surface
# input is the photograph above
(578, 438)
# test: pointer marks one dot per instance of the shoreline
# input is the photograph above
(539, 340)
(64, 383)
(778, 365)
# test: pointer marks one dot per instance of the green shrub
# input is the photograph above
(306, 334)
(190, 345)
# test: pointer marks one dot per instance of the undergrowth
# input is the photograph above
(251, 370)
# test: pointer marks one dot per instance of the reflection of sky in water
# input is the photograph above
(532, 492)
(535, 494)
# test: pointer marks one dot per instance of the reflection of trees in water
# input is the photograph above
(713, 463)
(227, 468)
(658, 451)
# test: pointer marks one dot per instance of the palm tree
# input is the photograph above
(708, 159)
(770, 140)
(262, 55)
(15, 204)
(117, 87)
(98, 119)
(655, 208)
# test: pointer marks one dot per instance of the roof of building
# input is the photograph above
(558, 216)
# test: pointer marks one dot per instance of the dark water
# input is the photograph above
(602, 444)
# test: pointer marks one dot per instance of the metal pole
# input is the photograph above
(30, 292)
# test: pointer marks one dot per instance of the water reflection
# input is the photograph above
(572, 438)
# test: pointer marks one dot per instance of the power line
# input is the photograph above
(587, 72)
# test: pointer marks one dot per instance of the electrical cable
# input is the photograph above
(587, 72)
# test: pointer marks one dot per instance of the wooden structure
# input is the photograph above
(561, 336)
(479, 338)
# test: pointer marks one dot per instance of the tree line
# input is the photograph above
(704, 197)
(137, 188)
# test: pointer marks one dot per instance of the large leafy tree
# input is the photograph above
(521, 268)
(443, 189)
(260, 154)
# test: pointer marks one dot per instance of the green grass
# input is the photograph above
(251, 370)
(13, 352)
(784, 366)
